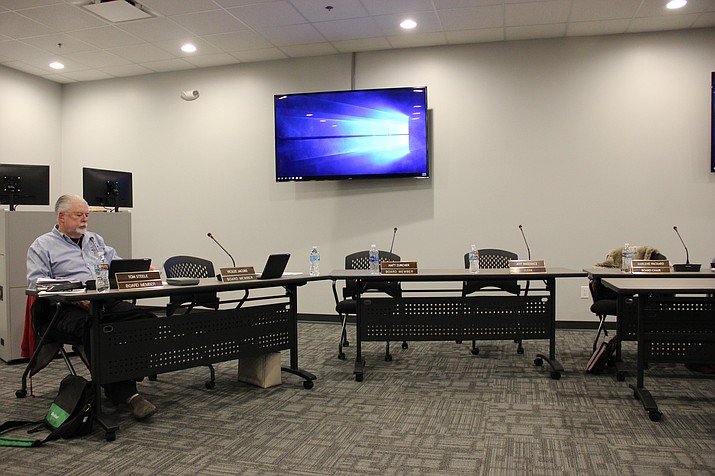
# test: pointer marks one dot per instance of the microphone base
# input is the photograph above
(686, 267)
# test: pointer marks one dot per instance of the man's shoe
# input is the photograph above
(141, 407)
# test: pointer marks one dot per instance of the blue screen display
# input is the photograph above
(335, 135)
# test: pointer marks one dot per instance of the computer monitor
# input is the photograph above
(107, 188)
(24, 185)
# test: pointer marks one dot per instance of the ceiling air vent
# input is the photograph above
(117, 11)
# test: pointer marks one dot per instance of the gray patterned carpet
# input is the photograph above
(435, 409)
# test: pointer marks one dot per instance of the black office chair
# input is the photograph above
(348, 306)
(191, 267)
(43, 315)
(492, 258)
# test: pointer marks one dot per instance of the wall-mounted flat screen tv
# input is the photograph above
(356, 134)
(24, 185)
(107, 188)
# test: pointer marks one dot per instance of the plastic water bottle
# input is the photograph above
(626, 257)
(474, 259)
(314, 261)
(101, 273)
(374, 260)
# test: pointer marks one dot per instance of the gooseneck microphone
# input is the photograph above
(687, 266)
(224, 249)
(394, 232)
(528, 251)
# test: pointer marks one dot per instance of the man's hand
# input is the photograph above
(83, 305)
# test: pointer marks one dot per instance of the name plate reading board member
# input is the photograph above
(138, 279)
(527, 266)
(643, 266)
(239, 273)
(398, 267)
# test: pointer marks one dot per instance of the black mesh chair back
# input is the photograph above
(492, 258)
(361, 260)
(190, 267)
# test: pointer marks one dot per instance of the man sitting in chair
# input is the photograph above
(68, 251)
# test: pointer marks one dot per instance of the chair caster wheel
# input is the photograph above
(358, 377)
(346, 344)
(20, 393)
(538, 361)
(210, 384)
(388, 358)
(620, 376)
(341, 356)
(110, 436)
(555, 375)
(405, 345)
(308, 384)
(654, 415)
(475, 351)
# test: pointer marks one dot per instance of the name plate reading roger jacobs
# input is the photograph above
(239, 273)
(527, 266)
(138, 279)
(398, 267)
(643, 266)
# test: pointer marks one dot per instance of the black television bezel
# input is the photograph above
(346, 177)
(33, 178)
(95, 188)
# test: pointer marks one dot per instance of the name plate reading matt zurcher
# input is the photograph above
(643, 266)
(527, 266)
(399, 267)
(240, 273)
(138, 279)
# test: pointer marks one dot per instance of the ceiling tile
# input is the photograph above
(22, 4)
(605, 27)
(364, 44)
(265, 54)
(87, 75)
(106, 37)
(50, 43)
(174, 7)
(384, 7)
(449, 4)
(319, 49)
(203, 47)
(17, 26)
(349, 29)
(205, 61)
(168, 65)
(472, 18)
(268, 14)
(126, 70)
(536, 31)
(19, 50)
(238, 41)
(142, 53)
(639, 25)
(292, 35)
(209, 23)
(589, 10)
(542, 13)
(63, 17)
(98, 59)
(155, 29)
(26, 68)
(426, 22)
(419, 39)
(705, 20)
(475, 36)
(316, 11)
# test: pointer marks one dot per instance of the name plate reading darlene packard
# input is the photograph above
(138, 279)
(527, 266)
(239, 273)
(398, 267)
(643, 266)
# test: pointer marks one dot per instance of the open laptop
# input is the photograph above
(275, 265)
(126, 266)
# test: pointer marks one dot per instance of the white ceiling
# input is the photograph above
(237, 31)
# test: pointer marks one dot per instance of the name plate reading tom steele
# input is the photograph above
(643, 266)
(527, 266)
(398, 267)
(139, 279)
(239, 273)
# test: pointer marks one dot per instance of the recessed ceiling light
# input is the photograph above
(408, 24)
(675, 4)
(188, 48)
(56, 65)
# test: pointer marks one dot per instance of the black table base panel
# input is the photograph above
(143, 347)
(674, 330)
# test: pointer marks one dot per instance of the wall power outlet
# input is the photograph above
(585, 294)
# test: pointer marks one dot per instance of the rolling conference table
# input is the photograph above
(138, 348)
(446, 315)
(627, 305)
(675, 323)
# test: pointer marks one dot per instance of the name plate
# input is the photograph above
(398, 267)
(527, 266)
(138, 280)
(642, 266)
(240, 273)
